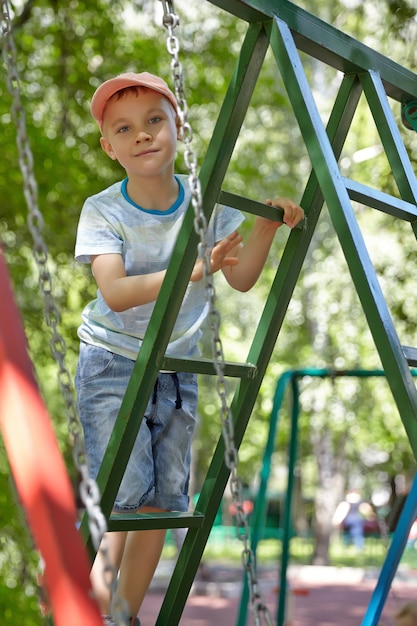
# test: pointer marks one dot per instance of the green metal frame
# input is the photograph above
(287, 29)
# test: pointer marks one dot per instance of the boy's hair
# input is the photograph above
(121, 93)
(128, 79)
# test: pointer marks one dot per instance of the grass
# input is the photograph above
(224, 546)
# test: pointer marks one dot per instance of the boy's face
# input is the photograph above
(140, 131)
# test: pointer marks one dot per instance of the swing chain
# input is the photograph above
(171, 21)
(89, 492)
(35, 223)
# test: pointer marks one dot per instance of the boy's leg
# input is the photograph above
(141, 555)
(115, 544)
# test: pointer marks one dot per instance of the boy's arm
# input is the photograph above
(122, 292)
(252, 255)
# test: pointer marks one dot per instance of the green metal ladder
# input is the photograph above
(287, 29)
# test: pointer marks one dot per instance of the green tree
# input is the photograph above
(64, 51)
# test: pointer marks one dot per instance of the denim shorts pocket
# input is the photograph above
(93, 362)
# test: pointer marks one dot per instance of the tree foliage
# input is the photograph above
(64, 50)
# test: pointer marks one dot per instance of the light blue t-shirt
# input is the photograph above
(111, 222)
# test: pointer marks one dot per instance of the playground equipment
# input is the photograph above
(290, 380)
(287, 29)
(39, 473)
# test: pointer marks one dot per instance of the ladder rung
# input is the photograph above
(257, 208)
(381, 201)
(149, 521)
(206, 366)
(411, 355)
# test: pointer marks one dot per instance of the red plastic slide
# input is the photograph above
(40, 475)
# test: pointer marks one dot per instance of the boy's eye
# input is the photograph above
(123, 129)
(154, 120)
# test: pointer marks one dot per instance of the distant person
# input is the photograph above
(351, 515)
(407, 615)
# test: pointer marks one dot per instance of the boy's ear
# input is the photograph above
(178, 125)
(107, 147)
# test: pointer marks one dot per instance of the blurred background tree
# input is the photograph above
(65, 50)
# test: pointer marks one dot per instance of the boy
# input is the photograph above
(127, 232)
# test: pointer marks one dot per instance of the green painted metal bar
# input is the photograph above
(297, 246)
(337, 129)
(213, 170)
(381, 201)
(275, 308)
(326, 43)
(390, 135)
(252, 206)
(247, 11)
(344, 109)
(291, 261)
(206, 366)
(349, 234)
(410, 355)
(394, 147)
(233, 112)
(149, 521)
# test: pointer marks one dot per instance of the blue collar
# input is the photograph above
(171, 209)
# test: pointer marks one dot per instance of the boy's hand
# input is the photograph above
(292, 212)
(223, 254)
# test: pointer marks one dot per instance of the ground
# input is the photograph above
(323, 596)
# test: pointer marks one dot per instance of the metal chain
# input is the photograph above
(259, 608)
(89, 492)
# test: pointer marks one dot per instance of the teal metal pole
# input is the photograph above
(386, 576)
(287, 527)
(258, 518)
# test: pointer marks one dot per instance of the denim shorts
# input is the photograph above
(158, 471)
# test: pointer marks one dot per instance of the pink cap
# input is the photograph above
(129, 79)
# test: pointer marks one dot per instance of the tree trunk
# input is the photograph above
(330, 489)
(326, 500)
